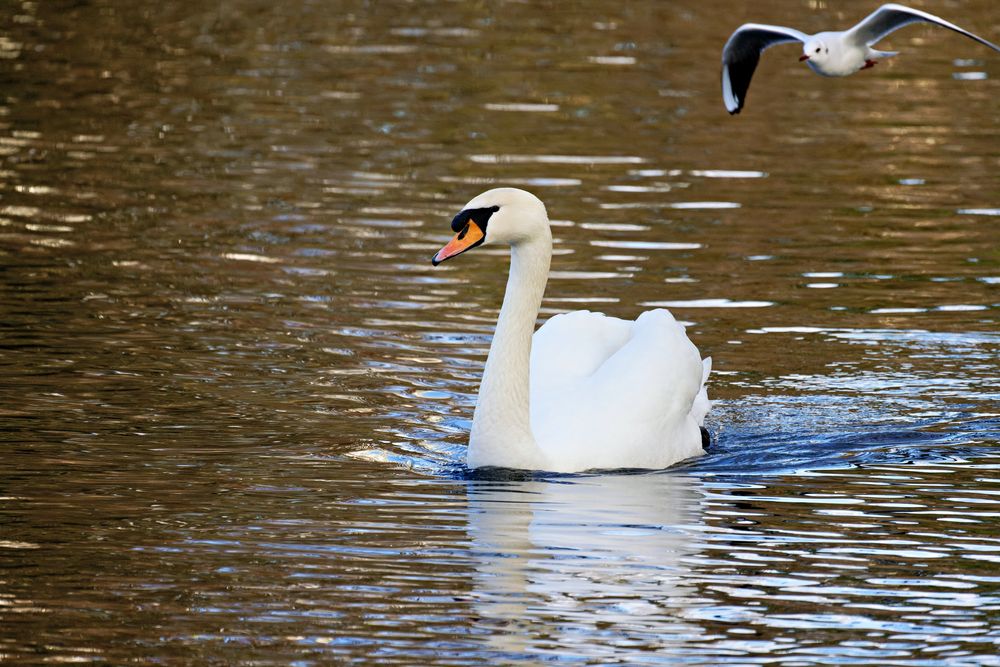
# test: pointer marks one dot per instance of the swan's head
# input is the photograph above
(502, 215)
(815, 51)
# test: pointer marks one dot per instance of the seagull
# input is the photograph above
(833, 53)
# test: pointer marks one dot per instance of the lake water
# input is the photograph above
(236, 395)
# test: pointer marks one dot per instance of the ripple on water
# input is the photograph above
(370, 49)
(544, 182)
(588, 275)
(970, 76)
(699, 205)
(612, 60)
(644, 245)
(250, 257)
(664, 187)
(979, 211)
(707, 303)
(727, 173)
(556, 159)
(521, 106)
(902, 310)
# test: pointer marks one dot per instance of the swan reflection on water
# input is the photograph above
(562, 561)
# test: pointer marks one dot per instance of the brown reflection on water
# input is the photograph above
(236, 393)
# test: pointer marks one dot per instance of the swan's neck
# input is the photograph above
(501, 427)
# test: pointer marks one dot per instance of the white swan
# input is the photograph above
(585, 391)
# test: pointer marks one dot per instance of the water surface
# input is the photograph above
(236, 394)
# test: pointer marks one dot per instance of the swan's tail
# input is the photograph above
(701, 404)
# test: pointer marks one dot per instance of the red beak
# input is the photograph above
(803, 57)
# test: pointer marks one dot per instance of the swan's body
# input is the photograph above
(830, 53)
(585, 391)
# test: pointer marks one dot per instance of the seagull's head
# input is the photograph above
(815, 51)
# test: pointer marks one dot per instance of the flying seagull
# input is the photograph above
(833, 53)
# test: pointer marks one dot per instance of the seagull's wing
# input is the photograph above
(741, 54)
(889, 18)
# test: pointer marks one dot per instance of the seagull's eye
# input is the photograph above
(817, 49)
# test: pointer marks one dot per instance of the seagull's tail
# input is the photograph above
(882, 55)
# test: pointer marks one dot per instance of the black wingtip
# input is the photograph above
(706, 439)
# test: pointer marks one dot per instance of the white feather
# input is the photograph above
(732, 104)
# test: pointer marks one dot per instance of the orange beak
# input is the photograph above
(470, 236)
(803, 57)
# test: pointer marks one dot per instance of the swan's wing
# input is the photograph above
(656, 373)
(572, 346)
(892, 17)
(636, 408)
(741, 54)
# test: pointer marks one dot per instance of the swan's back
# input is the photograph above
(612, 393)
(571, 347)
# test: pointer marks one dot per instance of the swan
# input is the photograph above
(586, 391)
